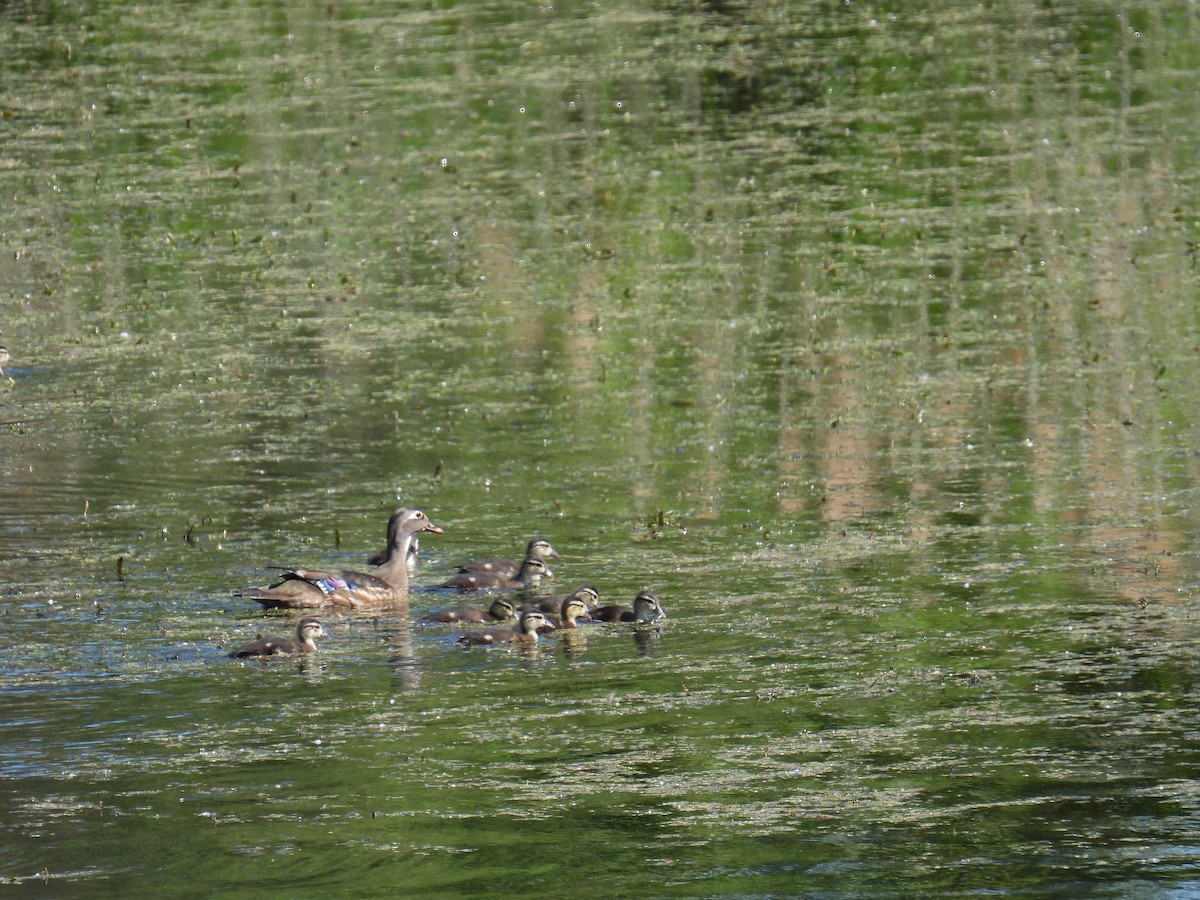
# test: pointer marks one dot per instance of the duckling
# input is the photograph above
(646, 608)
(385, 584)
(572, 608)
(414, 547)
(538, 547)
(4, 358)
(585, 593)
(524, 632)
(306, 630)
(501, 610)
(532, 570)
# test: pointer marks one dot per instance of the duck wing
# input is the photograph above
(316, 588)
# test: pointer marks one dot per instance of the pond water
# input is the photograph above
(865, 337)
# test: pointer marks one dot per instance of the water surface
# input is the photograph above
(866, 339)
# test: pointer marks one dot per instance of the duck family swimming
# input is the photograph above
(386, 586)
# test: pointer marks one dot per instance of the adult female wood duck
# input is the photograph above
(501, 610)
(646, 608)
(414, 547)
(524, 632)
(306, 631)
(538, 548)
(552, 606)
(383, 585)
(531, 572)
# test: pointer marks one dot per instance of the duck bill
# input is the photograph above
(429, 526)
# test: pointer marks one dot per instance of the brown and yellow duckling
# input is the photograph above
(501, 610)
(525, 632)
(306, 631)
(585, 593)
(531, 572)
(570, 609)
(383, 585)
(538, 548)
(646, 608)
